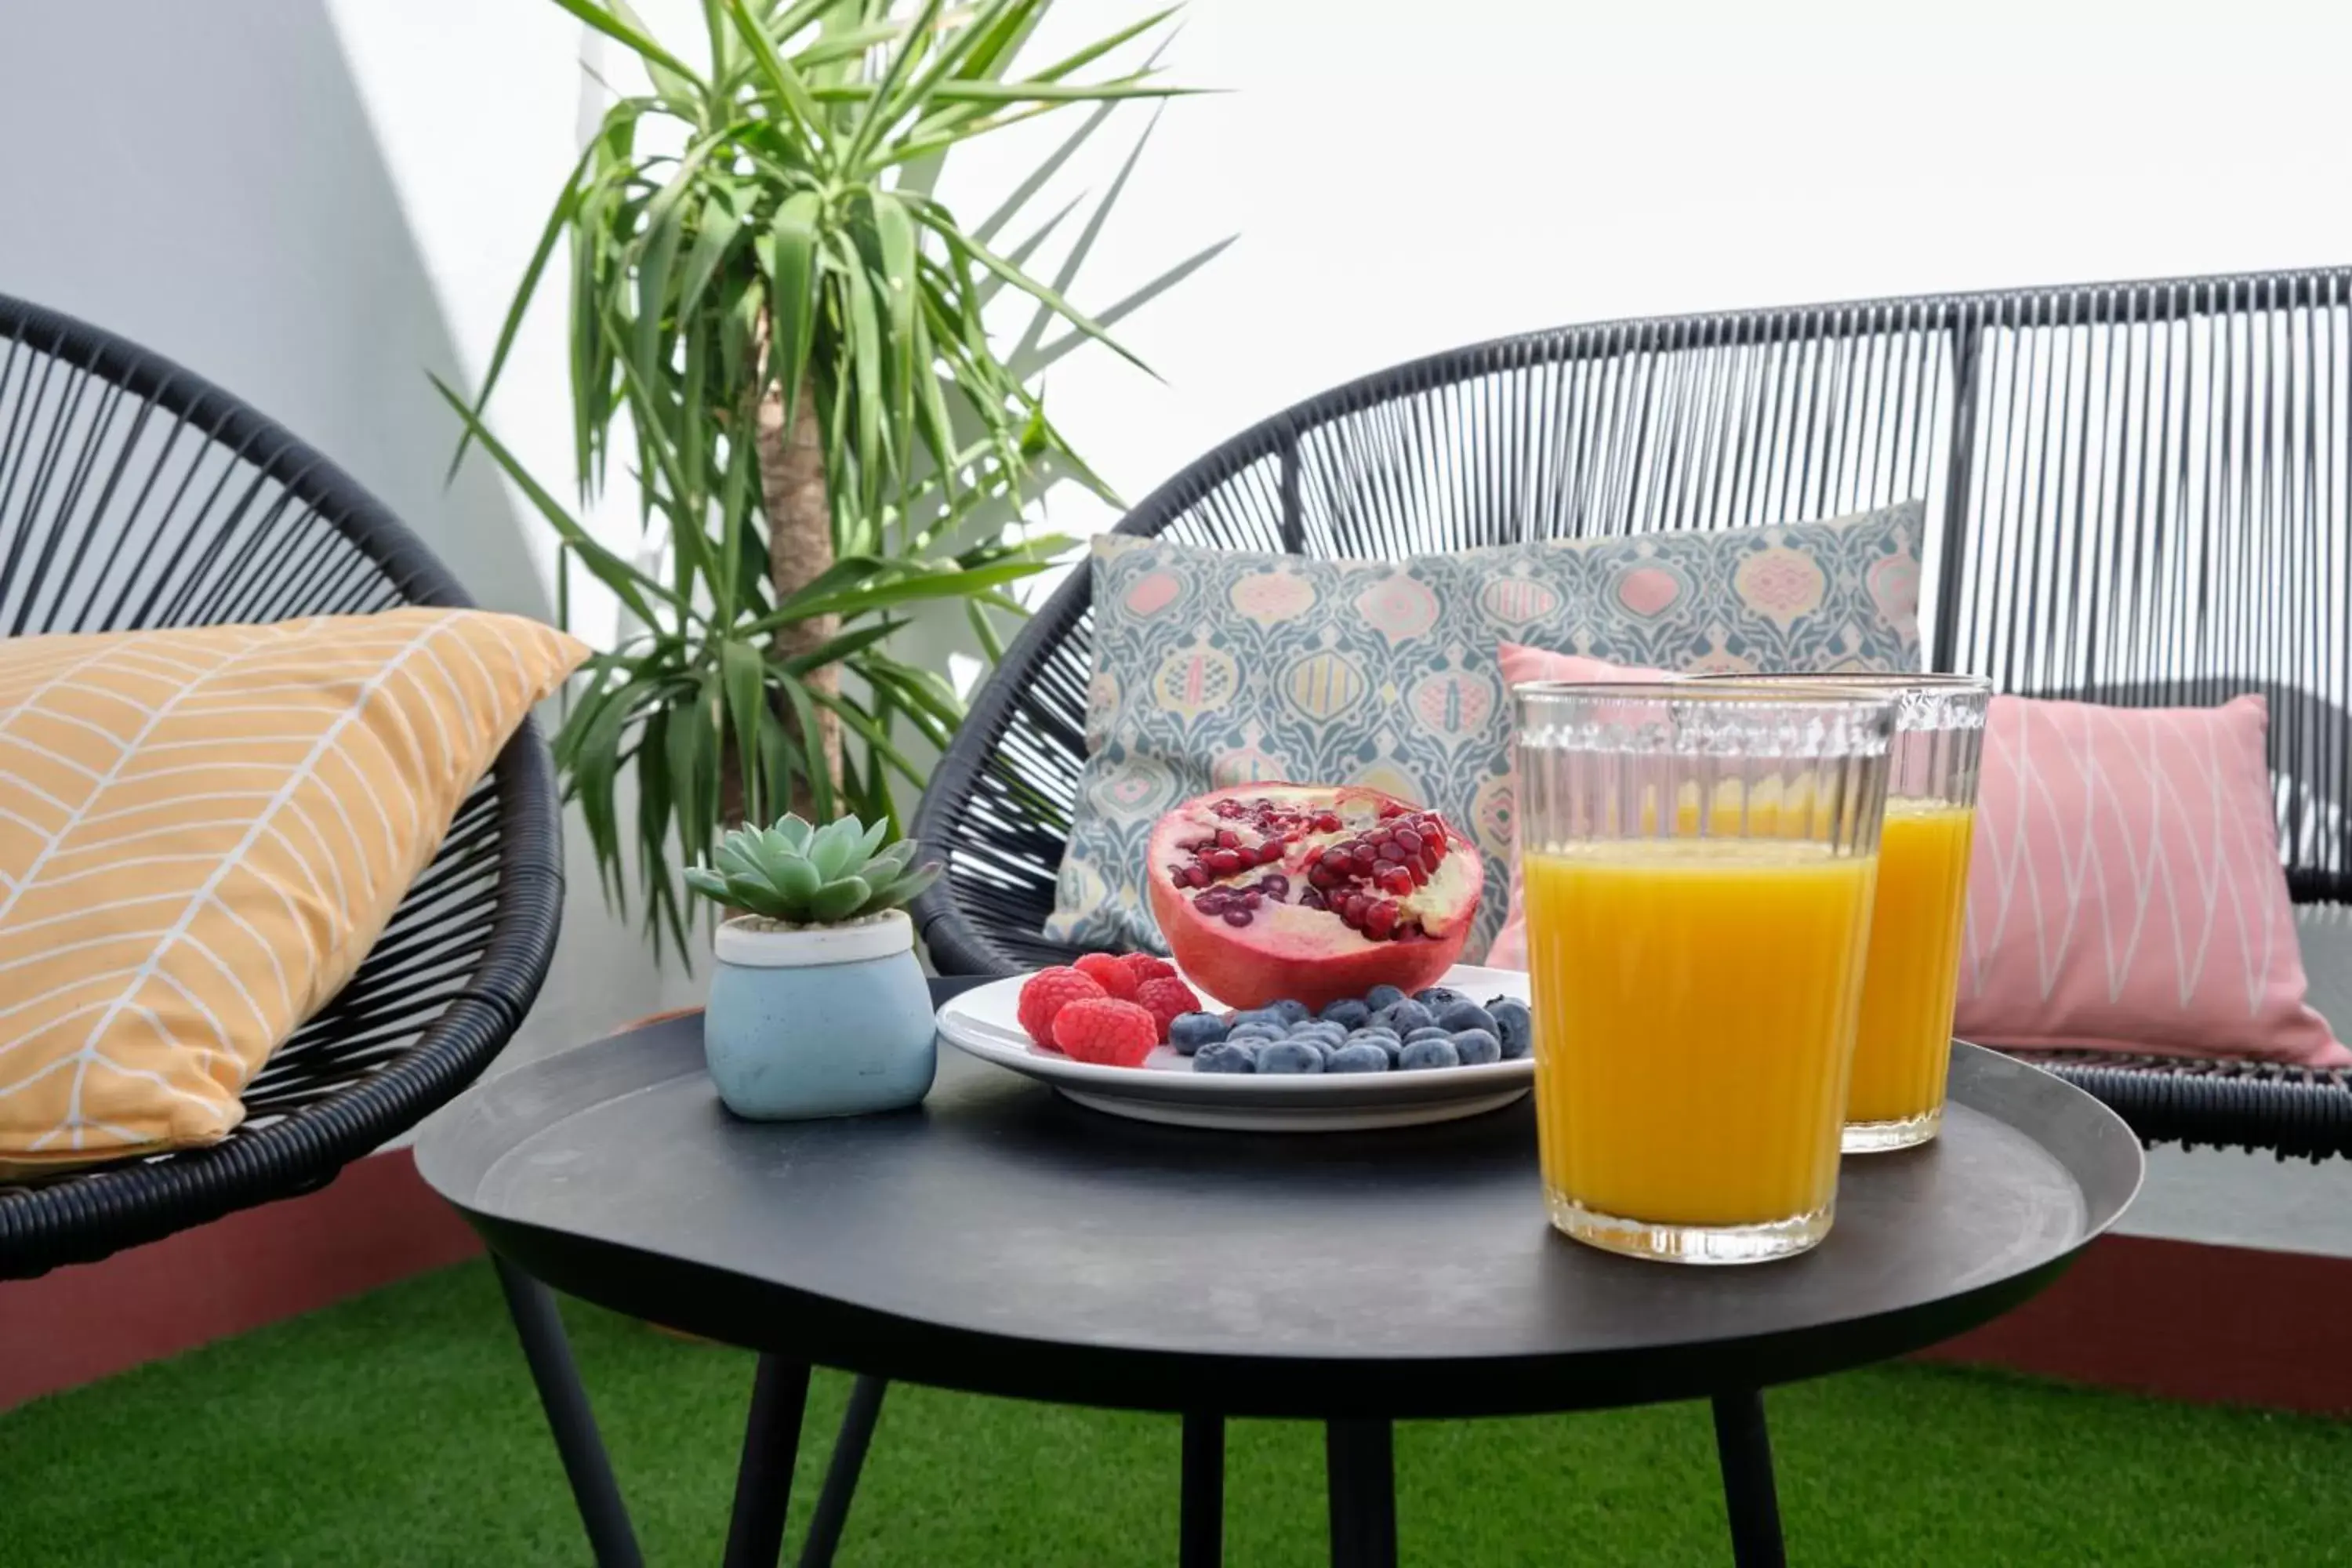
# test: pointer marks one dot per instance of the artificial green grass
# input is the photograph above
(401, 1428)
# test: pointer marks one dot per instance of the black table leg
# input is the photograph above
(1745, 1451)
(763, 1479)
(601, 1513)
(840, 1476)
(1200, 1521)
(1360, 1459)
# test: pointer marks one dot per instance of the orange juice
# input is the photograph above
(1903, 1045)
(1695, 1008)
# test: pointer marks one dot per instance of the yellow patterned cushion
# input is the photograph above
(201, 832)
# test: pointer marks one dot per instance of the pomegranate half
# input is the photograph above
(1312, 891)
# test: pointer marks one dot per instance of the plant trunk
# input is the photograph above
(799, 549)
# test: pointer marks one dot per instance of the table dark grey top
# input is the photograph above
(1004, 1240)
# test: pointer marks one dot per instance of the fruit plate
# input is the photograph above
(984, 1022)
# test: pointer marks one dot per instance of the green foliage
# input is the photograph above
(791, 245)
(813, 876)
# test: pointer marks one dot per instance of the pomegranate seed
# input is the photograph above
(1379, 920)
(1391, 851)
(1314, 853)
(1365, 857)
(1327, 822)
(1396, 880)
(1269, 852)
(1223, 861)
(1276, 886)
(1237, 917)
(1321, 877)
(1408, 840)
(1392, 809)
(1308, 899)
(1417, 873)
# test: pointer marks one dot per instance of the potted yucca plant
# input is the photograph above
(818, 1007)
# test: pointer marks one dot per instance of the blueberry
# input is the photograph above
(1318, 1045)
(1380, 996)
(1318, 1030)
(1259, 1032)
(1225, 1055)
(1477, 1048)
(1291, 1056)
(1429, 1054)
(1429, 1032)
(1390, 1046)
(1289, 1011)
(1456, 1016)
(1514, 1026)
(1348, 1013)
(1188, 1032)
(1404, 1017)
(1358, 1058)
(1260, 1015)
(1436, 997)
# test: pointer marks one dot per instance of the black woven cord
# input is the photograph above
(134, 493)
(2135, 492)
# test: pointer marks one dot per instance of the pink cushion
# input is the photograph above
(1510, 948)
(2125, 893)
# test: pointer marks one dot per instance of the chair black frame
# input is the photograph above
(135, 493)
(2134, 494)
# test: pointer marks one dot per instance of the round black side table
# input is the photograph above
(1353, 1278)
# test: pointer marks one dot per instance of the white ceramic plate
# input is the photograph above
(985, 1021)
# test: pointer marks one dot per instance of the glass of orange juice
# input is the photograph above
(1699, 861)
(1903, 1046)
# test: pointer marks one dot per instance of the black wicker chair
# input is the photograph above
(2138, 493)
(136, 494)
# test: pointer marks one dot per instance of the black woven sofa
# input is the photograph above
(133, 494)
(2138, 493)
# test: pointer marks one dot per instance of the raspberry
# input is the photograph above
(1169, 999)
(1110, 972)
(1105, 1031)
(1148, 966)
(1046, 992)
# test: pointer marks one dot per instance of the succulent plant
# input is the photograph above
(812, 876)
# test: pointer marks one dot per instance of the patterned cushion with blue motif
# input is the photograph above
(1214, 667)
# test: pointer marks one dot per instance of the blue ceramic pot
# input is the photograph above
(833, 1021)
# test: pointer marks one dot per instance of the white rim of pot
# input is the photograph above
(743, 942)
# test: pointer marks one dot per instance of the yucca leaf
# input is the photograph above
(790, 259)
(629, 584)
(715, 233)
(632, 33)
(743, 683)
(566, 204)
(798, 697)
(782, 79)
(887, 107)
